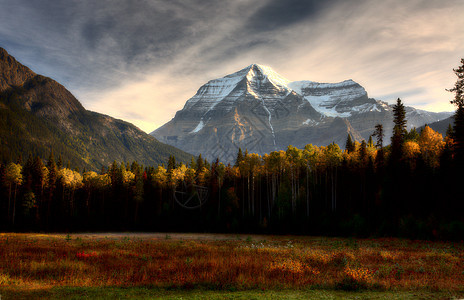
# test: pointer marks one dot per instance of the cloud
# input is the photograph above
(142, 60)
(276, 14)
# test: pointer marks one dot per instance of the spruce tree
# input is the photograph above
(370, 143)
(378, 133)
(52, 172)
(171, 163)
(59, 164)
(239, 157)
(412, 135)
(450, 132)
(363, 152)
(350, 146)
(399, 131)
(200, 165)
(193, 163)
(458, 101)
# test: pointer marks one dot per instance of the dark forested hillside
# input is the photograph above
(38, 115)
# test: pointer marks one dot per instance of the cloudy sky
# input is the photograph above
(141, 60)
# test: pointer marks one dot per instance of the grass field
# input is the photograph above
(202, 266)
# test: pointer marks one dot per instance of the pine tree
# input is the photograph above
(399, 131)
(350, 146)
(370, 143)
(239, 157)
(450, 132)
(200, 165)
(458, 101)
(52, 171)
(363, 152)
(193, 163)
(59, 164)
(378, 133)
(412, 135)
(171, 163)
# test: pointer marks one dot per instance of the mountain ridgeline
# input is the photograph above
(259, 110)
(39, 115)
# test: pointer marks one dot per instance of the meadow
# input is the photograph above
(226, 266)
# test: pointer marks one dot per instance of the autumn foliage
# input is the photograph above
(230, 262)
(316, 190)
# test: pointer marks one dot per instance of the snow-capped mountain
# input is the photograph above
(259, 110)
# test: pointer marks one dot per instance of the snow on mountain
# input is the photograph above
(248, 81)
(259, 110)
(216, 90)
(335, 99)
(268, 74)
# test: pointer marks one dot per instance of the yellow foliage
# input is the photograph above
(178, 174)
(95, 180)
(411, 149)
(431, 145)
(160, 176)
(13, 173)
(128, 177)
(70, 178)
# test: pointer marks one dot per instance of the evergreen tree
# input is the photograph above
(52, 171)
(412, 135)
(59, 164)
(363, 152)
(200, 165)
(350, 145)
(171, 163)
(458, 101)
(399, 131)
(193, 163)
(378, 134)
(370, 143)
(239, 157)
(450, 132)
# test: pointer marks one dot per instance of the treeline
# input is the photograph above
(363, 190)
(412, 188)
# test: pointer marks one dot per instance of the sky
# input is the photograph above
(141, 60)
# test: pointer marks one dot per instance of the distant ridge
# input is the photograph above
(441, 126)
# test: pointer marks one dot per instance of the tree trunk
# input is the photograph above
(9, 203)
(14, 203)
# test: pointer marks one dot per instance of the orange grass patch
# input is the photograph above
(26, 261)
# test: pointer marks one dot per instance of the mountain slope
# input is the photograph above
(440, 126)
(257, 109)
(38, 115)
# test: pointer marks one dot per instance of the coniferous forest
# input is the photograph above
(411, 188)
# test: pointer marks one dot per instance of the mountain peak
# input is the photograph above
(257, 109)
(12, 72)
(3, 52)
(262, 72)
(39, 114)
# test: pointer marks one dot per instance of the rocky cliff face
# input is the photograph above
(37, 115)
(259, 110)
(12, 73)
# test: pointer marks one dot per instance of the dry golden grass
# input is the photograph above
(41, 261)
